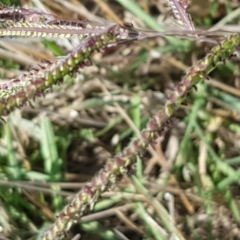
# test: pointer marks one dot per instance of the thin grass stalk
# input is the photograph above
(124, 162)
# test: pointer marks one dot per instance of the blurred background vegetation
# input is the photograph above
(47, 152)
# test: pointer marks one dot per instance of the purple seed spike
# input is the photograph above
(16, 92)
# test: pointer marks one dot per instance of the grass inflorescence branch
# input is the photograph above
(157, 126)
(33, 83)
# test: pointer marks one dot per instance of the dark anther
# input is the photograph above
(206, 77)
(184, 103)
(195, 87)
